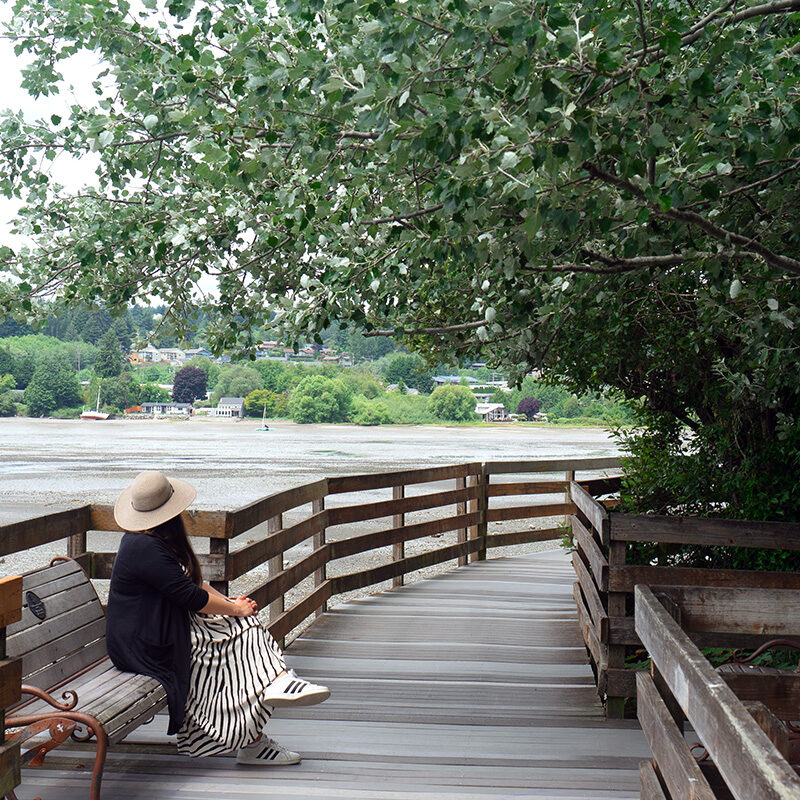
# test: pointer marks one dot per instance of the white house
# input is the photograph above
(230, 407)
(492, 412)
(168, 408)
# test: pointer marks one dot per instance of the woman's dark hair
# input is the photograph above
(174, 534)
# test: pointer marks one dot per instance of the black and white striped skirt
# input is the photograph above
(234, 659)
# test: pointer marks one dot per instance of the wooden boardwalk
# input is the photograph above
(467, 686)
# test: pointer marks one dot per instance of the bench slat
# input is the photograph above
(38, 577)
(139, 713)
(44, 632)
(62, 646)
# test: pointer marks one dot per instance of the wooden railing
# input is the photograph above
(10, 681)
(452, 513)
(605, 585)
(746, 744)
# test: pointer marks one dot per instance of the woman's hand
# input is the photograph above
(244, 606)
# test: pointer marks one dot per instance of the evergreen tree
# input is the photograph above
(6, 361)
(109, 356)
(97, 324)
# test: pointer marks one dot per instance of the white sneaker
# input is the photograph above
(289, 690)
(266, 752)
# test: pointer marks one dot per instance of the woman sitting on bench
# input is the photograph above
(223, 673)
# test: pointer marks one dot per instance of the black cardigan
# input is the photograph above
(147, 619)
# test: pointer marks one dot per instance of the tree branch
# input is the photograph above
(400, 217)
(691, 218)
(466, 326)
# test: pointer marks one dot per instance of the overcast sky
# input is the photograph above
(79, 71)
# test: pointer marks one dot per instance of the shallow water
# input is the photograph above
(64, 462)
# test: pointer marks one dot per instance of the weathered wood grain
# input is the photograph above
(403, 533)
(650, 785)
(276, 542)
(507, 513)
(747, 759)
(509, 538)
(10, 600)
(675, 761)
(555, 465)
(48, 528)
(406, 477)
(624, 578)
(591, 550)
(591, 509)
(772, 613)
(705, 531)
(247, 517)
(387, 508)
(594, 604)
(206, 524)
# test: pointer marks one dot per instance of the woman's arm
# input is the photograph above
(218, 604)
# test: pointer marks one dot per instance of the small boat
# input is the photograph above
(97, 413)
(264, 426)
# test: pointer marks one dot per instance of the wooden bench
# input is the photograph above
(61, 642)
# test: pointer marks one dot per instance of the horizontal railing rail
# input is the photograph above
(747, 745)
(308, 536)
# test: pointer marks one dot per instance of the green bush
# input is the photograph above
(66, 413)
(453, 403)
(320, 399)
(8, 408)
(408, 409)
(54, 385)
(370, 412)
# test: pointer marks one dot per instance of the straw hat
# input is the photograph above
(150, 500)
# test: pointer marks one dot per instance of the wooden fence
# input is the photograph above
(10, 681)
(746, 743)
(472, 505)
(604, 591)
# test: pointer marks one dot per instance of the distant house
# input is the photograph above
(167, 408)
(148, 355)
(492, 412)
(196, 352)
(483, 396)
(442, 380)
(230, 407)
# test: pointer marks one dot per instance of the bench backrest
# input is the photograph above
(72, 634)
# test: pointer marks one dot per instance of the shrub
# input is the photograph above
(320, 399)
(370, 412)
(8, 408)
(453, 403)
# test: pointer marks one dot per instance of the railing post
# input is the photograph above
(220, 547)
(483, 507)
(76, 545)
(461, 508)
(615, 706)
(10, 672)
(398, 521)
(274, 566)
(317, 507)
(570, 476)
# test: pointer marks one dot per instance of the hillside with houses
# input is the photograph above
(122, 368)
